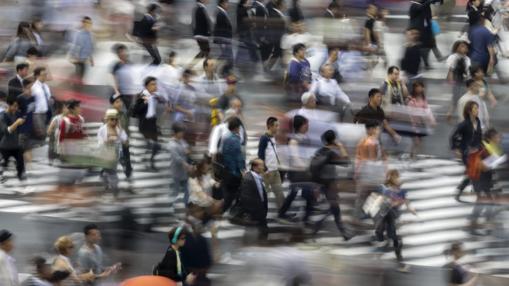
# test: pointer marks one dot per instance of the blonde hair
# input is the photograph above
(390, 177)
(62, 244)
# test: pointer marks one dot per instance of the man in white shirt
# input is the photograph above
(43, 103)
(328, 91)
(473, 95)
(209, 83)
(8, 271)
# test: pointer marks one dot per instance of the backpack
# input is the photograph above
(139, 107)
(318, 163)
(460, 70)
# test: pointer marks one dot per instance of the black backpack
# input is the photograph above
(318, 163)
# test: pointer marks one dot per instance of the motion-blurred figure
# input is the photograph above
(82, 48)
(8, 270)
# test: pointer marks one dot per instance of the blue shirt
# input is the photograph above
(299, 71)
(480, 39)
(83, 46)
(233, 159)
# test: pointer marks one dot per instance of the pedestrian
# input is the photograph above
(296, 35)
(299, 73)
(421, 116)
(261, 33)
(90, 255)
(485, 92)
(371, 40)
(233, 161)
(298, 173)
(411, 61)
(10, 123)
(466, 139)
(473, 94)
(202, 30)
(8, 270)
(112, 137)
(145, 110)
(17, 49)
(43, 274)
(149, 27)
(295, 12)
(122, 72)
(323, 172)
(458, 274)
(482, 47)
(72, 124)
(172, 266)
(53, 132)
(15, 85)
(82, 49)
(394, 90)
(253, 202)
(26, 107)
(117, 103)
(247, 50)
(420, 19)
(332, 11)
(276, 28)
(267, 151)
(481, 173)
(210, 82)
(36, 28)
(229, 93)
(185, 98)
(459, 69)
(197, 255)
(223, 37)
(180, 166)
(329, 93)
(380, 29)
(333, 60)
(373, 111)
(64, 247)
(43, 103)
(391, 190)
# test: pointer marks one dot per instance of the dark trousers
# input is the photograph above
(307, 194)
(231, 188)
(17, 154)
(247, 45)
(466, 181)
(265, 50)
(125, 161)
(153, 51)
(81, 68)
(204, 48)
(226, 57)
(331, 194)
(388, 224)
(148, 127)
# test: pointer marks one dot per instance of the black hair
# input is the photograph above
(333, 5)
(11, 100)
(187, 73)
(468, 109)
(178, 127)
(328, 137)
(469, 82)
(39, 262)
(27, 81)
(270, 121)
(119, 47)
(234, 123)
(21, 66)
(152, 7)
(221, 2)
(173, 230)
(391, 69)
(148, 80)
(456, 45)
(373, 91)
(172, 54)
(415, 84)
(475, 68)
(89, 227)
(371, 124)
(86, 18)
(33, 51)
(297, 47)
(71, 104)
(298, 122)
(490, 133)
(38, 70)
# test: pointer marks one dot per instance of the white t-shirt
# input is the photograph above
(452, 60)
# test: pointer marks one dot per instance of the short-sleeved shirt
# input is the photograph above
(367, 113)
(460, 70)
(370, 25)
(480, 39)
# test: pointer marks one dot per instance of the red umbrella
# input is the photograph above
(149, 281)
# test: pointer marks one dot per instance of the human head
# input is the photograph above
(74, 107)
(177, 236)
(23, 30)
(257, 166)
(327, 71)
(152, 9)
(334, 7)
(92, 233)
(172, 56)
(203, 166)
(111, 117)
(64, 245)
(300, 124)
(12, 105)
(279, 4)
(272, 125)
(456, 250)
(418, 89)
(41, 74)
(393, 73)
(297, 27)
(460, 47)
(234, 124)
(477, 72)
(473, 86)
(42, 267)
(150, 84)
(372, 10)
(375, 97)
(492, 136)
(223, 3)
(329, 137)
(37, 25)
(22, 70)
(121, 51)
(299, 51)
(86, 23)
(236, 105)
(308, 100)
(471, 109)
(178, 130)
(392, 178)
(6, 240)
(187, 75)
(116, 102)
(209, 65)
(372, 128)
(27, 85)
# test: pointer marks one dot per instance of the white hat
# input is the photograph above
(229, 113)
(111, 113)
(306, 96)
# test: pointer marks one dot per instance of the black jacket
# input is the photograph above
(250, 200)
(201, 22)
(15, 87)
(223, 30)
(465, 137)
(420, 19)
(8, 141)
(168, 266)
(276, 26)
(145, 28)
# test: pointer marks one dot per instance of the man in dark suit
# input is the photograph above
(261, 14)
(253, 196)
(148, 33)
(201, 29)
(276, 24)
(420, 19)
(15, 85)
(223, 34)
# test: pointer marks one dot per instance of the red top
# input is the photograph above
(71, 127)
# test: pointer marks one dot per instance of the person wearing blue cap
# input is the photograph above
(8, 271)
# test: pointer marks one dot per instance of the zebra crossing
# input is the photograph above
(430, 183)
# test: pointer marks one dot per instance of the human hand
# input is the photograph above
(191, 278)
(20, 121)
(397, 138)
